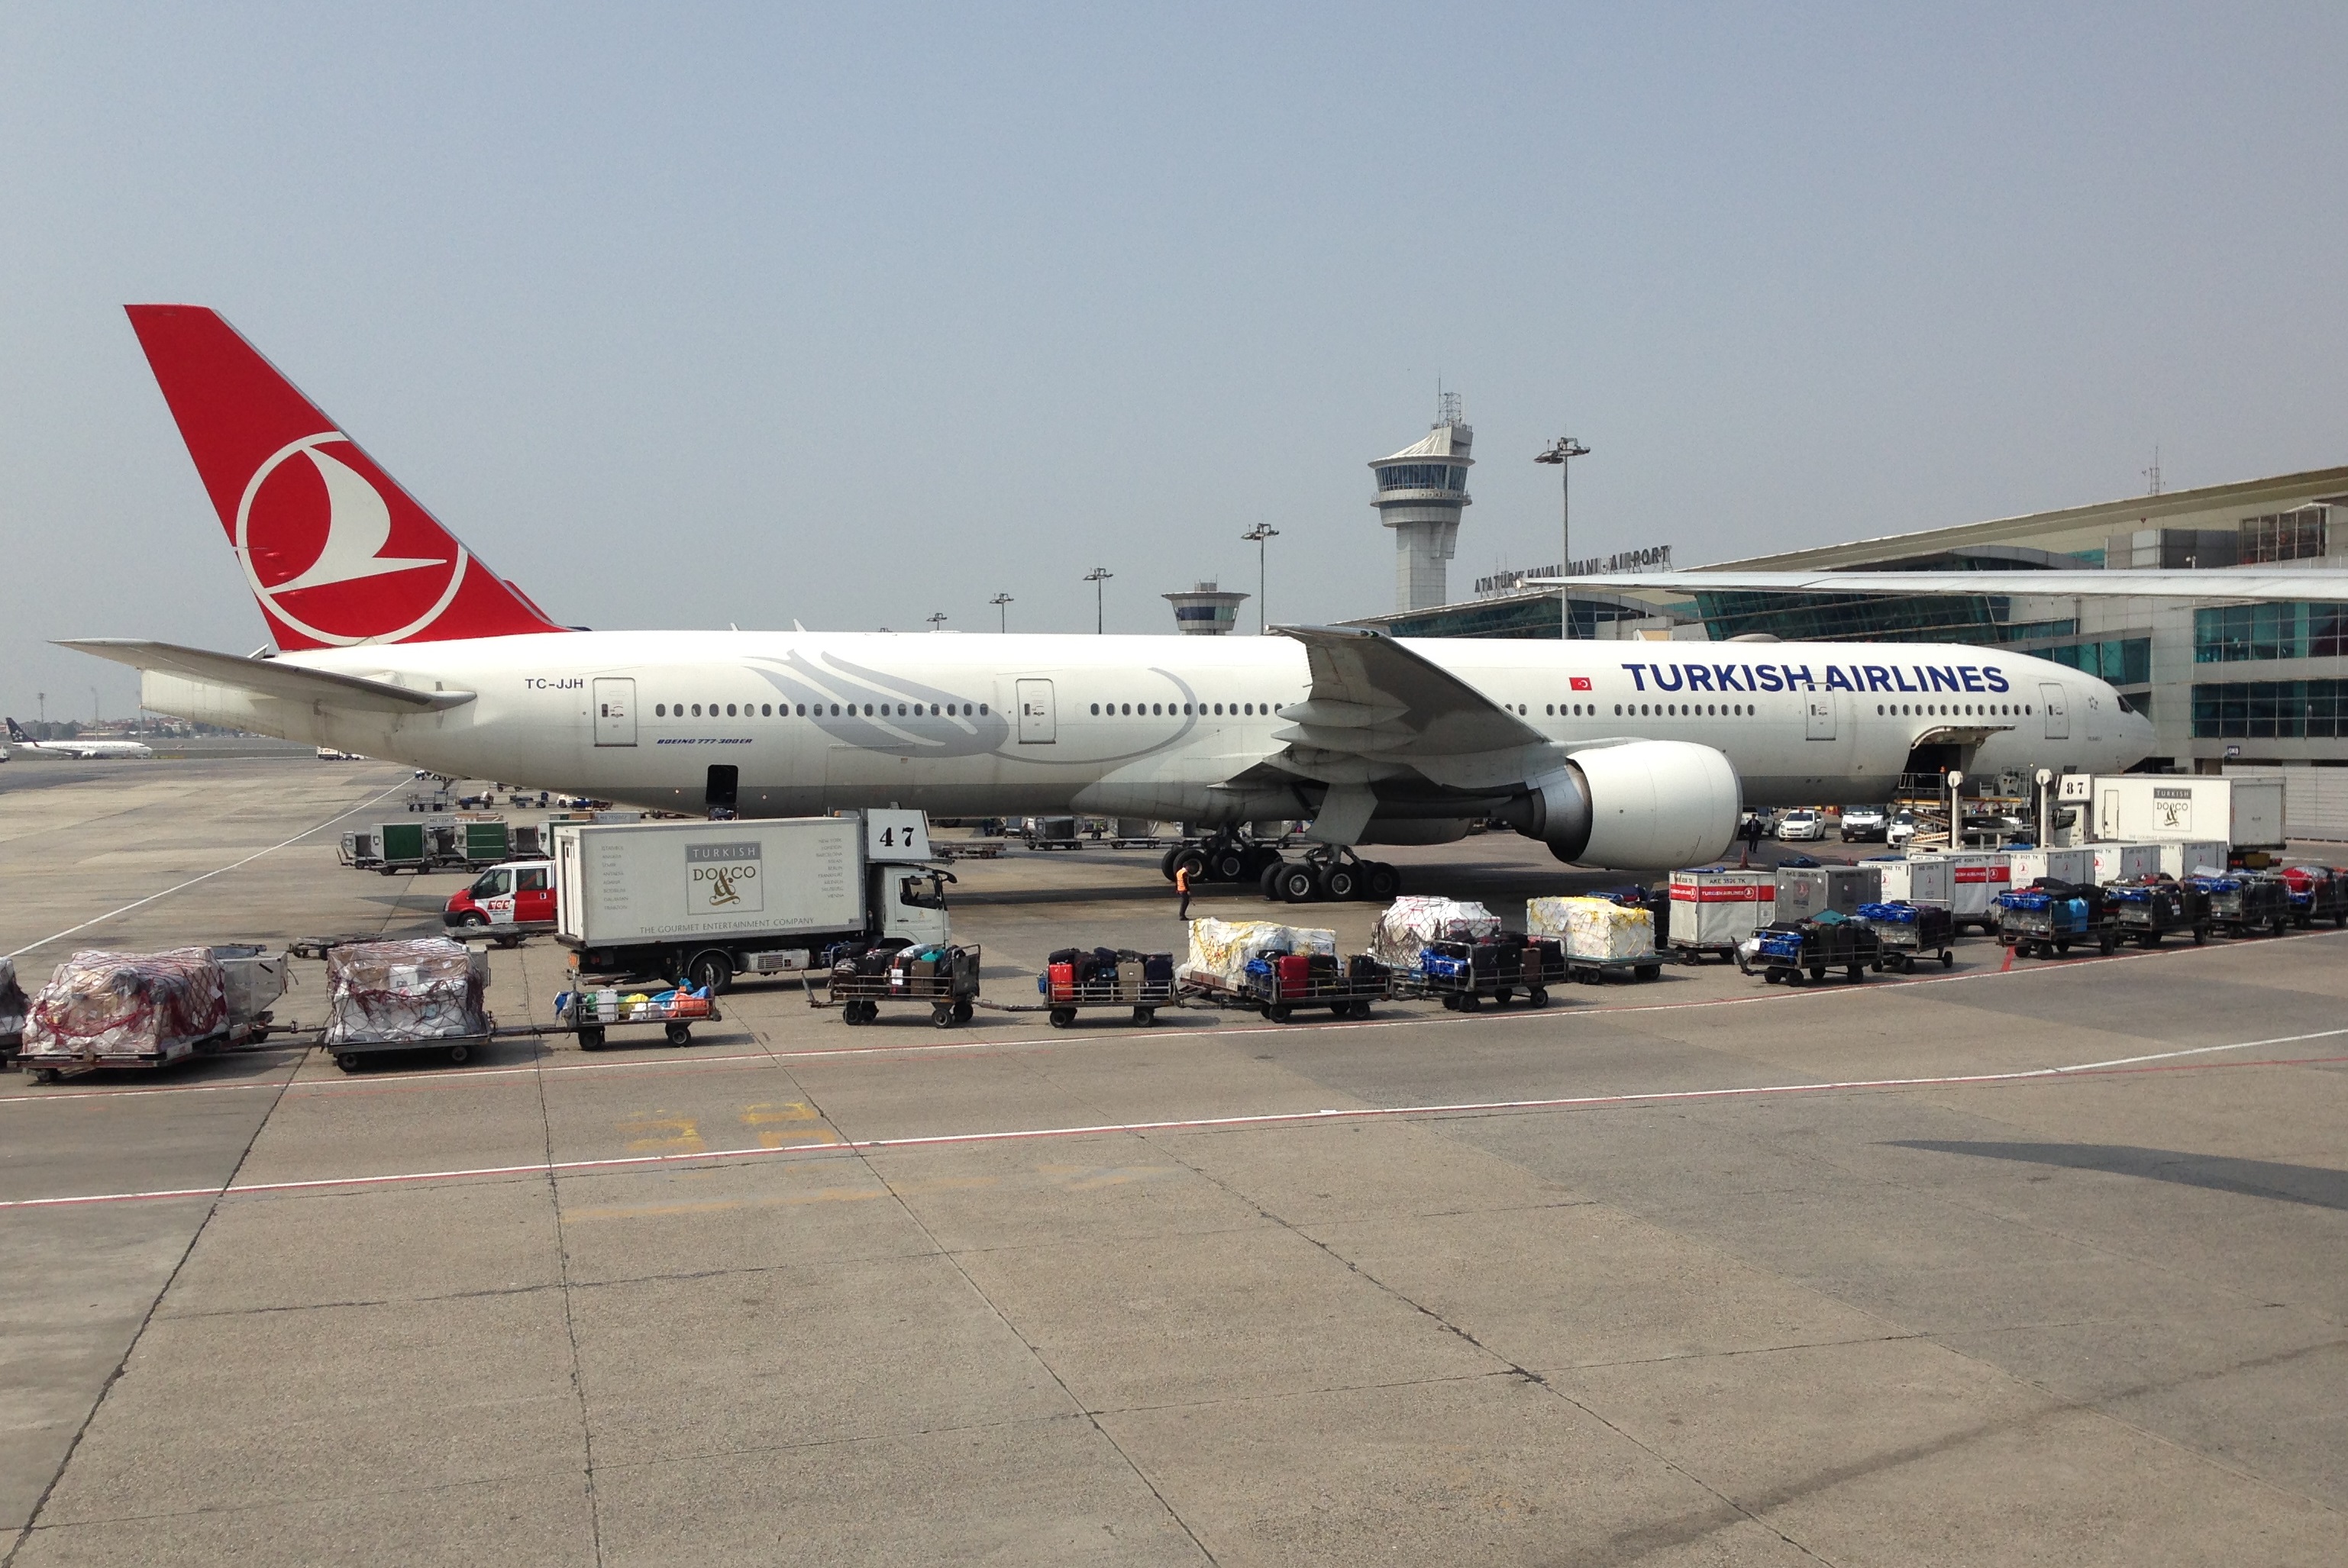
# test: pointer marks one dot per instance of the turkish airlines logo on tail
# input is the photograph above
(334, 551)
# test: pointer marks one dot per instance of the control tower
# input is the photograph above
(1205, 611)
(1422, 491)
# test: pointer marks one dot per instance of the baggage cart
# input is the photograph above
(942, 979)
(2243, 905)
(1463, 976)
(2046, 918)
(13, 1005)
(1347, 989)
(2147, 908)
(1714, 907)
(2317, 893)
(1906, 932)
(592, 1012)
(1077, 980)
(1791, 950)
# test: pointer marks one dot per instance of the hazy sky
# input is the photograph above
(683, 316)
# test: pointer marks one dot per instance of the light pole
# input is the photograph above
(1566, 449)
(1098, 576)
(937, 617)
(1000, 601)
(1259, 533)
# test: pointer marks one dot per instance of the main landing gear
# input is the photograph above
(1325, 874)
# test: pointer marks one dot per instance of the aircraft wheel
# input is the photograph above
(1267, 881)
(1384, 882)
(1339, 882)
(1227, 866)
(1165, 862)
(1295, 884)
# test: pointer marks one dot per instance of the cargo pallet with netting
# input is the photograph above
(948, 988)
(142, 1011)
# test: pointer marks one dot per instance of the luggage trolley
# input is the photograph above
(593, 1011)
(1464, 975)
(1076, 981)
(2317, 893)
(1279, 986)
(943, 978)
(2243, 906)
(1791, 950)
(2146, 910)
(1906, 932)
(2045, 917)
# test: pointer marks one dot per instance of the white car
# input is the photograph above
(1901, 829)
(1802, 823)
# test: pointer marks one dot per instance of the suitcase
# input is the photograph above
(1295, 973)
(1064, 981)
(1158, 971)
(1129, 982)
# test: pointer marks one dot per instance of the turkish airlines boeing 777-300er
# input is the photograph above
(394, 641)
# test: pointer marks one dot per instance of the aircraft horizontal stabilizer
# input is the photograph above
(2226, 583)
(268, 677)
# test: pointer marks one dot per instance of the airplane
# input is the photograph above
(78, 748)
(394, 641)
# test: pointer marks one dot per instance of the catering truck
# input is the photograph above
(702, 902)
(2167, 808)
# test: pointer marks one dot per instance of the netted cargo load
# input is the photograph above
(12, 1003)
(1220, 950)
(391, 993)
(147, 1007)
(1593, 928)
(1409, 922)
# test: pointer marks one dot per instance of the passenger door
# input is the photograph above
(2057, 704)
(616, 711)
(1037, 724)
(1821, 718)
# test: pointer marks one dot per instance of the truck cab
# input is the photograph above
(517, 894)
(912, 902)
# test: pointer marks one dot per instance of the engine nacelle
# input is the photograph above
(1646, 805)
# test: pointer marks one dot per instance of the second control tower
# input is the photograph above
(1422, 491)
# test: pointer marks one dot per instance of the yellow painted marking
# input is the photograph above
(786, 1122)
(658, 1134)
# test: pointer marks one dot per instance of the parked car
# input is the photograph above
(1899, 830)
(1864, 823)
(1802, 823)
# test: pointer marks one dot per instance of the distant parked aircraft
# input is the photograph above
(78, 748)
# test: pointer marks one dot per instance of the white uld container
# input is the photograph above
(1975, 879)
(2073, 865)
(1926, 879)
(1717, 906)
(2125, 862)
(2190, 856)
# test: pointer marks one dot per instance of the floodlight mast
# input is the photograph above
(1096, 577)
(1259, 534)
(1000, 601)
(1561, 453)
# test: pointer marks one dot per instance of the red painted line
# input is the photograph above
(2164, 1061)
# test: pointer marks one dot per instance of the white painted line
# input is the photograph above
(190, 882)
(2073, 1071)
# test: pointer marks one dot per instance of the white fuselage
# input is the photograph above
(979, 725)
(89, 751)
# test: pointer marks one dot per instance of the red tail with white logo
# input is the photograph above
(335, 551)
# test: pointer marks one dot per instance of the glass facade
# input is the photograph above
(2282, 535)
(1873, 618)
(2270, 710)
(2225, 633)
(2123, 661)
(1423, 477)
(1533, 616)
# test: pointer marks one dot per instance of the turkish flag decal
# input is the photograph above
(1581, 682)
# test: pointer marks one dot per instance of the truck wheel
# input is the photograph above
(1535, 997)
(679, 1033)
(2107, 942)
(1503, 996)
(1383, 882)
(1278, 1012)
(1295, 884)
(1948, 959)
(473, 918)
(712, 971)
(1818, 973)
(1855, 973)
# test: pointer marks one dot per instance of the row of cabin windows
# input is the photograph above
(784, 709)
(1954, 710)
(1183, 710)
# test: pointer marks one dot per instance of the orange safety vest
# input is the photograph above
(1181, 879)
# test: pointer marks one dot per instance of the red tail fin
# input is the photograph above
(335, 551)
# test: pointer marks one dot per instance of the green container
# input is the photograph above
(403, 843)
(485, 842)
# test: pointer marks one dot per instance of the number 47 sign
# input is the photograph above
(896, 835)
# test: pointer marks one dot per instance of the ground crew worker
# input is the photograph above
(1752, 837)
(1182, 886)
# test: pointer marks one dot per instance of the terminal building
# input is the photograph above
(2226, 686)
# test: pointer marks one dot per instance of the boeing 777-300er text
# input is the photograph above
(394, 641)
(78, 747)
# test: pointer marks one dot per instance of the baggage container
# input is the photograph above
(1975, 879)
(2073, 865)
(400, 846)
(1807, 891)
(1716, 906)
(2246, 811)
(483, 842)
(2123, 862)
(1926, 879)
(12, 1010)
(2184, 857)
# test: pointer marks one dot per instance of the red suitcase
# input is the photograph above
(1064, 982)
(1295, 973)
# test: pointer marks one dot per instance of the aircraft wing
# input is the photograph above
(2226, 583)
(269, 677)
(1379, 712)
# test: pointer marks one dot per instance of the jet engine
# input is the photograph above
(1645, 805)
